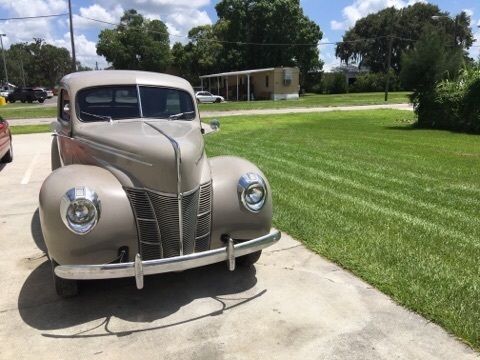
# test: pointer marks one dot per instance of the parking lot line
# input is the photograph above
(28, 172)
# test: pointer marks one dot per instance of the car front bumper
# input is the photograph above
(139, 268)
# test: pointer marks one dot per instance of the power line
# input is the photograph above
(33, 17)
(242, 42)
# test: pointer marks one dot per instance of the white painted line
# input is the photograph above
(28, 173)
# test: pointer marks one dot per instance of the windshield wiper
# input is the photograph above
(101, 117)
(179, 115)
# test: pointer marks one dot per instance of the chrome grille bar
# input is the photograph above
(178, 161)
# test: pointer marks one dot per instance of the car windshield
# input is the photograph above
(126, 102)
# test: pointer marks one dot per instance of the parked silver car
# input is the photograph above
(206, 97)
(132, 192)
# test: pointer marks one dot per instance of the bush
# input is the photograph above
(331, 83)
(375, 82)
(454, 104)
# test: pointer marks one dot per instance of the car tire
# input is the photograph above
(64, 288)
(248, 260)
(41, 101)
(218, 100)
(8, 157)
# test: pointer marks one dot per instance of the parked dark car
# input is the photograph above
(6, 150)
(27, 95)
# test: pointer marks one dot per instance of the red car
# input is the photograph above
(6, 149)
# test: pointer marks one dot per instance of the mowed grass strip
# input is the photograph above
(13, 111)
(312, 100)
(397, 206)
(30, 129)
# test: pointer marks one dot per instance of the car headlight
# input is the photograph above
(253, 191)
(80, 210)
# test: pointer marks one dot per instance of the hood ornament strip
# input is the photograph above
(178, 161)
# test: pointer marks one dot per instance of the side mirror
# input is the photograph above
(66, 111)
(211, 128)
(215, 124)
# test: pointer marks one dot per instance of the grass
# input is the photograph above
(27, 111)
(29, 129)
(397, 206)
(312, 100)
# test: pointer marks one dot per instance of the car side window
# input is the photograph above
(64, 102)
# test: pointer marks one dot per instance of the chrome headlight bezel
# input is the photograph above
(87, 197)
(247, 183)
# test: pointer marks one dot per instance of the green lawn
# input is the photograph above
(397, 206)
(30, 129)
(26, 111)
(312, 100)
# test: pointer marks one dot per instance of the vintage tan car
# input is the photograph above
(132, 192)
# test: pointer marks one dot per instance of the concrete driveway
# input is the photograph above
(292, 305)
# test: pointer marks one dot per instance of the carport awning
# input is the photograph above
(234, 73)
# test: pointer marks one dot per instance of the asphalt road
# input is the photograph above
(220, 114)
(292, 305)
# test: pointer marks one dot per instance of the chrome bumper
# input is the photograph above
(139, 268)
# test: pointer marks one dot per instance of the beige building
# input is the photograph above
(280, 83)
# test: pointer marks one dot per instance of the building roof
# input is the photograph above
(232, 73)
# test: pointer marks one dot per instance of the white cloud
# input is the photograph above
(85, 50)
(361, 8)
(327, 54)
(469, 12)
(98, 12)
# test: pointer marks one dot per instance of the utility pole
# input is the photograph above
(72, 40)
(4, 61)
(23, 72)
(389, 64)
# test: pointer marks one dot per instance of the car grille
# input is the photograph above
(157, 221)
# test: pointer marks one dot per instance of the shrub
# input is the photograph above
(333, 83)
(375, 82)
(454, 104)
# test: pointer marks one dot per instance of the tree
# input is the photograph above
(252, 34)
(425, 65)
(266, 22)
(200, 55)
(37, 63)
(405, 26)
(137, 43)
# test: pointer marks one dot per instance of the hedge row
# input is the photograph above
(453, 105)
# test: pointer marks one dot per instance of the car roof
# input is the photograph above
(83, 79)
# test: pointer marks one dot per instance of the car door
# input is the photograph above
(63, 128)
(209, 97)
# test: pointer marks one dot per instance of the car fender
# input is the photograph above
(229, 214)
(116, 226)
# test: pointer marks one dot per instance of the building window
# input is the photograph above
(266, 81)
(287, 77)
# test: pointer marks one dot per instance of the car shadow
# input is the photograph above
(163, 295)
(36, 230)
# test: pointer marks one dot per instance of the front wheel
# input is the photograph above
(41, 101)
(65, 288)
(218, 100)
(249, 260)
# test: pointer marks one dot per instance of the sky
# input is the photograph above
(333, 17)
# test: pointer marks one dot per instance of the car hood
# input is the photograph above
(143, 150)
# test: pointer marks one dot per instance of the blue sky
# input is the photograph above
(333, 16)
